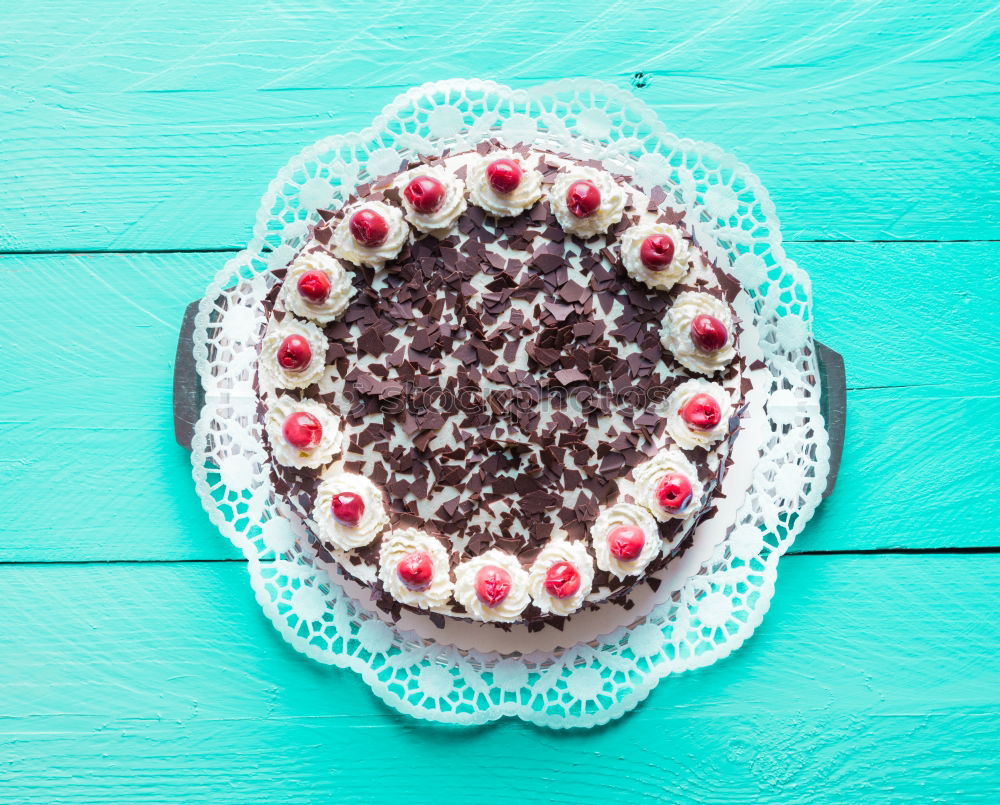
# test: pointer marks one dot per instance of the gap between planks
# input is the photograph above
(236, 249)
(957, 551)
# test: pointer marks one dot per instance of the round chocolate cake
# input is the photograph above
(501, 385)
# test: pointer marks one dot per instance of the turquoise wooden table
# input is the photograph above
(135, 141)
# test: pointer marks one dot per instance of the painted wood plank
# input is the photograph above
(158, 126)
(910, 314)
(86, 442)
(86, 425)
(901, 444)
(871, 679)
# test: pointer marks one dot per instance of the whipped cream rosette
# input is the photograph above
(350, 510)
(700, 333)
(432, 197)
(656, 254)
(302, 433)
(414, 569)
(317, 287)
(561, 577)
(503, 184)
(293, 353)
(668, 486)
(370, 233)
(698, 413)
(492, 587)
(586, 201)
(625, 539)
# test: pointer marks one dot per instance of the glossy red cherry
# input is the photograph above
(702, 412)
(673, 493)
(492, 585)
(294, 353)
(425, 194)
(625, 542)
(562, 580)
(415, 570)
(504, 175)
(657, 252)
(348, 508)
(583, 198)
(368, 228)
(708, 333)
(302, 430)
(314, 286)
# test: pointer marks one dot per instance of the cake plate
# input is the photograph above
(696, 621)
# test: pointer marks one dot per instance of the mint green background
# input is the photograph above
(135, 141)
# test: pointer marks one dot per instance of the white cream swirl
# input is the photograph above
(604, 217)
(631, 247)
(618, 515)
(392, 551)
(435, 223)
(373, 520)
(276, 334)
(506, 611)
(682, 433)
(677, 332)
(647, 476)
(347, 248)
(336, 302)
(482, 194)
(560, 550)
(330, 444)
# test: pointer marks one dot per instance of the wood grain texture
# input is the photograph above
(159, 682)
(149, 126)
(103, 436)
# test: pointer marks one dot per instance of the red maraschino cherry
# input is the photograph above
(425, 194)
(583, 198)
(348, 508)
(673, 493)
(368, 228)
(702, 412)
(294, 353)
(314, 286)
(416, 570)
(492, 585)
(504, 175)
(708, 333)
(562, 580)
(657, 252)
(625, 542)
(302, 430)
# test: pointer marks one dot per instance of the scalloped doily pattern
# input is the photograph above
(716, 610)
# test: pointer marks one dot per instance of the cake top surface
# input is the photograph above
(523, 358)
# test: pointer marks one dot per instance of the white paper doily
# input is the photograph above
(715, 609)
